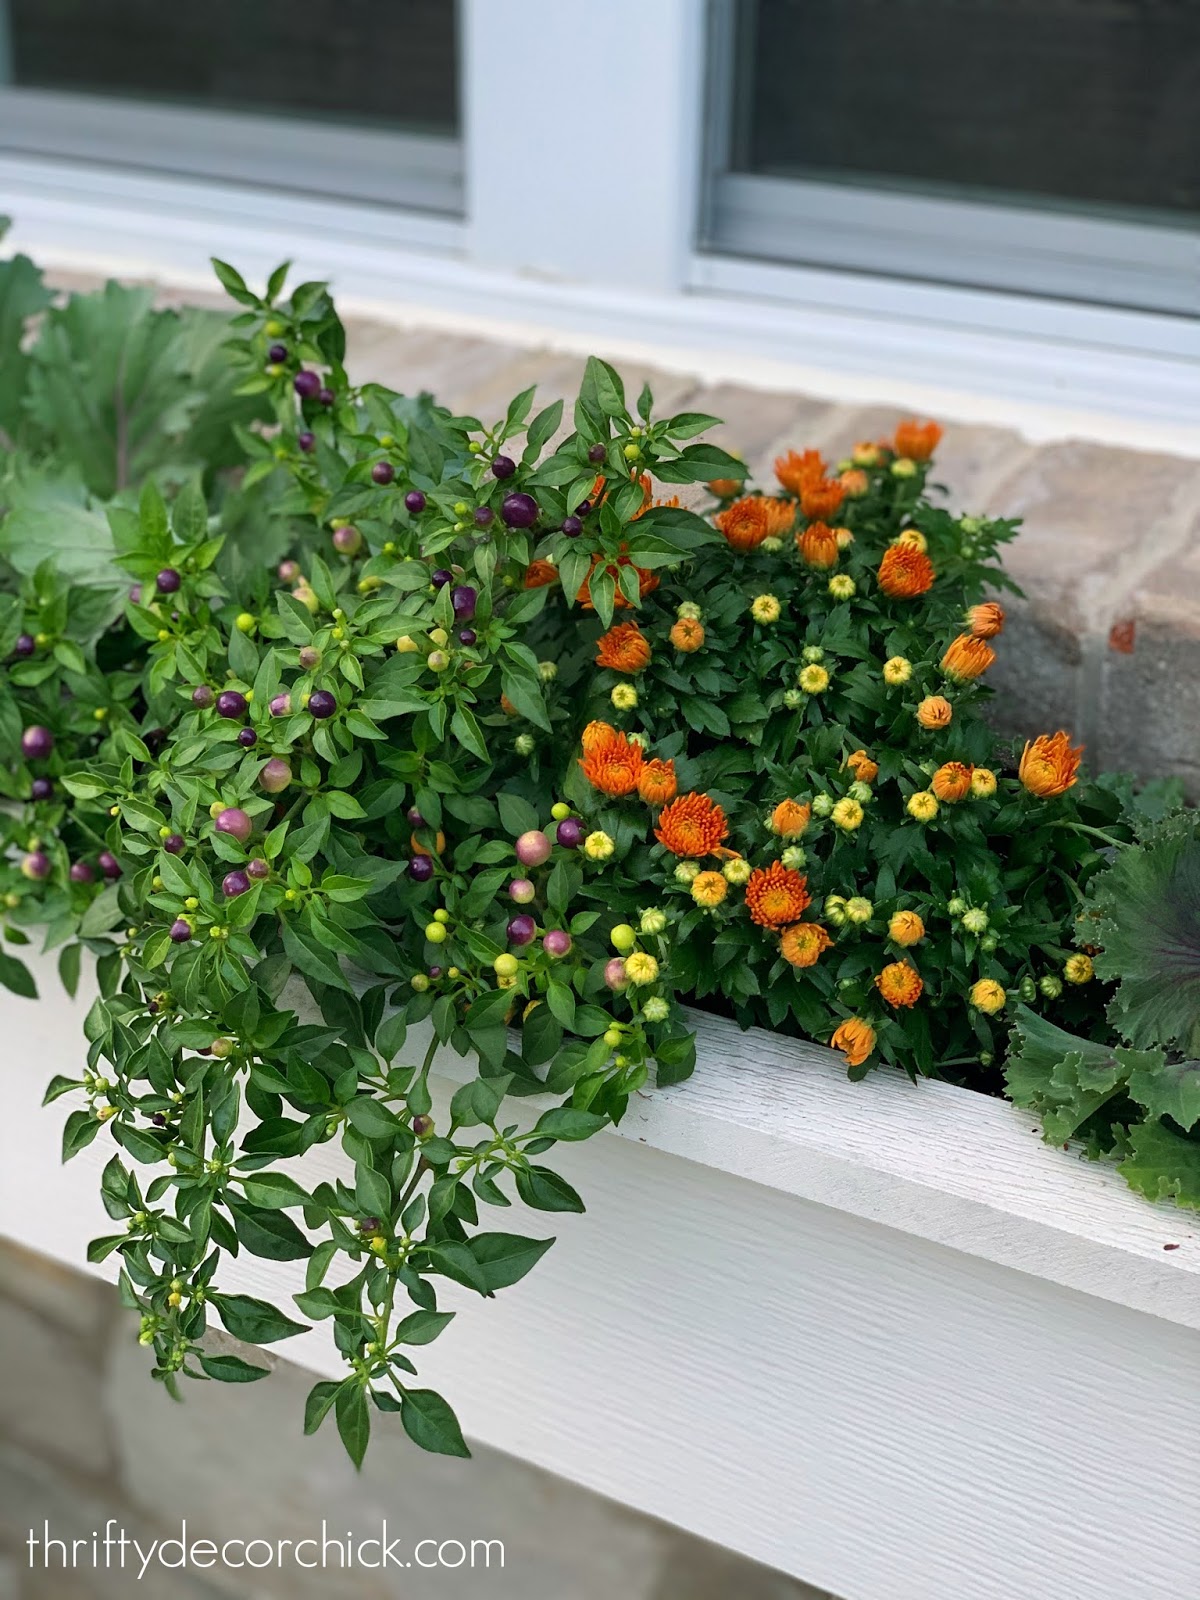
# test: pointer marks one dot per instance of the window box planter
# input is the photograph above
(876, 1335)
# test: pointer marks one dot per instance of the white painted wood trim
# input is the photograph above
(876, 1335)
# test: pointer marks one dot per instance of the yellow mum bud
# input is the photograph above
(923, 806)
(988, 996)
(1079, 969)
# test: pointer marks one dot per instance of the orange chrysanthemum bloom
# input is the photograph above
(952, 781)
(900, 984)
(818, 546)
(855, 1039)
(745, 524)
(863, 768)
(725, 488)
(967, 658)
(1050, 764)
(917, 440)
(596, 734)
(781, 515)
(797, 470)
(854, 482)
(656, 782)
(935, 711)
(647, 583)
(693, 825)
(985, 621)
(648, 505)
(905, 572)
(687, 635)
(613, 764)
(803, 942)
(777, 895)
(624, 648)
(822, 499)
(539, 573)
(790, 819)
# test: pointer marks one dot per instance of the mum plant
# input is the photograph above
(374, 733)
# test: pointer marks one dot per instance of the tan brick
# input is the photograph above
(1149, 721)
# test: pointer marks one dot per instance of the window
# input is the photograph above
(1047, 146)
(342, 97)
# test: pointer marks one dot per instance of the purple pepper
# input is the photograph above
(231, 703)
(258, 868)
(572, 527)
(503, 466)
(383, 472)
(80, 872)
(414, 501)
(440, 577)
(41, 789)
(484, 516)
(36, 866)
(521, 929)
(181, 931)
(108, 864)
(202, 697)
(467, 636)
(519, 510)
(37, 742)
(235, 822)
(420, 869)
(464, 598)
(597, 453)
(569, 833)
(321, 704)
(306, 384)
(326, 396)
(247, 738)
(173, 844)
(307, 442)
(234, 883)
(26, 644)
(168, 581)
(277, 354)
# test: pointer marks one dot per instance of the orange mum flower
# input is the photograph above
(818, 546)
(789, 819)
(624, 648)
(777, 895)
(1050, 765)
(863, 768)
(595, 735)
(539, 573)
(935, 711)
(613, 764)
(900, 984)
(693, 825)
(656, 782)
(796, 471)
(854, 482)
(905, 572)
(647, 582)
(687, 635)
(725, 488)
(855, 1039)
(985, 621)
(745, 524)
(917, 440)
(803, 942)
(822, 499)
(952, 781)
(967, 658)
(781, 516)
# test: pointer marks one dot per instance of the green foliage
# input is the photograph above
(1141, 926)
(298, 900)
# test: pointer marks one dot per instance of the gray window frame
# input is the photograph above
(1036, 250)
(418, 172)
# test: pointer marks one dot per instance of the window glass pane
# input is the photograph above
(1090, 105)
(384, 64)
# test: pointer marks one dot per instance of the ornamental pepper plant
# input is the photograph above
(380, 739)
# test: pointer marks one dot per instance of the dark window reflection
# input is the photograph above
(373, 63)
(1091, 102)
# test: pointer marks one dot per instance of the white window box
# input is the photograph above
(877, 1335)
